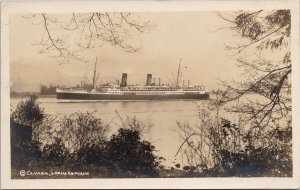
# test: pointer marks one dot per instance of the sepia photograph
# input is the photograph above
(136, 93)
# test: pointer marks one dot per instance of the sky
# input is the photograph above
(195, 37)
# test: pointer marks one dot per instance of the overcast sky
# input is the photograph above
(193, 36)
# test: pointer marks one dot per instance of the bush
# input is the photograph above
(55, 152)
(92, 153)
(28, 112)
(130, 154)
(78, 130)
(24, 121)
(237, 152)
(23, 149)
(78, 141)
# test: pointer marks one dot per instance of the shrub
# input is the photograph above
(219, 147)
(55, 152)
(23, 149)
(27, 124)
(23, 152)
(92, 153)
(28, 112)
(78, 130)
(79, 141)
(130, 154)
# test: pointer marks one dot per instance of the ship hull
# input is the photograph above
(91, 96)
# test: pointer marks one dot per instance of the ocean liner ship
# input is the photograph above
(124, 91)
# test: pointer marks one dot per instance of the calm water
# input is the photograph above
(162, 114)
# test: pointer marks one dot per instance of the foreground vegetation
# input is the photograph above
(78, 142)
(218, 147)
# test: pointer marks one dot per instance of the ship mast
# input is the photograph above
(178, 73)
(94, 77)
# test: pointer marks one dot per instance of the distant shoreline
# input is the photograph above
(28, 94)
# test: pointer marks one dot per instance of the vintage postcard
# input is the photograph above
(150, 94)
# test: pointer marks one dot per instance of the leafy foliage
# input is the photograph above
(24, 152)
(80, 141)
(79, 129)
(92, 153)
(28, 112)
(25, 122)
(23, 149)
(130, 154)
(220, 147)
(56, 152)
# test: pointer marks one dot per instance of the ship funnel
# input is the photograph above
(149, 79)
(124, 80)
(159, 81)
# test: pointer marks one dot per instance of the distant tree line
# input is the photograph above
(48, 90)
